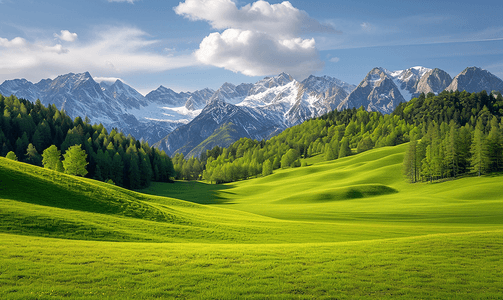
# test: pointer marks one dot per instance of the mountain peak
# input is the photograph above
(475, 79)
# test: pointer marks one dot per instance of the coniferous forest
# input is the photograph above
(35, 134)
(452, 134)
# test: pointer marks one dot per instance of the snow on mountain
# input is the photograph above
(184, 120)
(232, 94)
(382, 90)
(407, 80)
(271, 105)
(376, 92)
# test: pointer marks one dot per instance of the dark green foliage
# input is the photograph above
(443, 123)
(28, 129)
(458, 139)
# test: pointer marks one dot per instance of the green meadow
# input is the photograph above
(344, 229)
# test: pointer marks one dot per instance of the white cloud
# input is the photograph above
(259, 38)
(66, 36)
(255, 54)
(282, 20)
(334, 59)
(112, 52)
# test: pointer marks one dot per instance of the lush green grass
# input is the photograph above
(445, 266)
(350, 228)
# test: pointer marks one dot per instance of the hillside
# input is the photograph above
(348, 221)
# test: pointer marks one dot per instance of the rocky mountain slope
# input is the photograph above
(382, 90)
(271, 105)
(191, 122)
(475, 79)
(114, 104)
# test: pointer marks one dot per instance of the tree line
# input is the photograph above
(36, 134)
(342, 133)
(449, 150)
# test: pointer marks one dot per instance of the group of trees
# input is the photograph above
(459, 133)
(342, 133)
(28, 129)
(449, 151)
(333, 135)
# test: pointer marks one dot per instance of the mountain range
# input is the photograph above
(191, 122)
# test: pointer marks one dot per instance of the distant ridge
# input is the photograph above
(265, 107)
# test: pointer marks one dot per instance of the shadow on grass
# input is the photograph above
(191, 191)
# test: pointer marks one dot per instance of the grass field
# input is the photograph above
(350, 228)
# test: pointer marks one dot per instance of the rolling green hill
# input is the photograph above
(349, 228)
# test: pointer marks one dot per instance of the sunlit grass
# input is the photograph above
(349, 228)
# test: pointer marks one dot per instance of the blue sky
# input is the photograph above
(193, 44)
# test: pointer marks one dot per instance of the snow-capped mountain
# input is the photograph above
(249, 122)
(114, 104)
(195, 121)
(232, 94)
(407, 80)
(382, 90)
(377, 92)
(271, 105)
(475, 79)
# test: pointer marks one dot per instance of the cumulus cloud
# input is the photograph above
(66, 36)
(112, 52)
(258, 38)
(254, 53)
(281, 19)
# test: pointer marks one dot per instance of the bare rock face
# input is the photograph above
(377, 92)
(433, 81)
(474, 80)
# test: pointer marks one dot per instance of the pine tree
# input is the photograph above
(480, 158)
(32, 156)
(494, 147)
(344, 149)
(451, 158)
(410, 164)
(329, 153)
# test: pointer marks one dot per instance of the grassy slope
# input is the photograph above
(347, 228)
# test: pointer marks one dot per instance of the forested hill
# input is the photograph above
(342, 133)
(28, 130)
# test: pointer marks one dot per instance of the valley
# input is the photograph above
(345, 228)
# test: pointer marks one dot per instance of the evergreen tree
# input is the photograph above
(495, 147)
(344, 149)
(410, 163)
(364, 145)
(32, 156)
(451, 158)
(329, 153)
(480, 158)
(117, 172)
